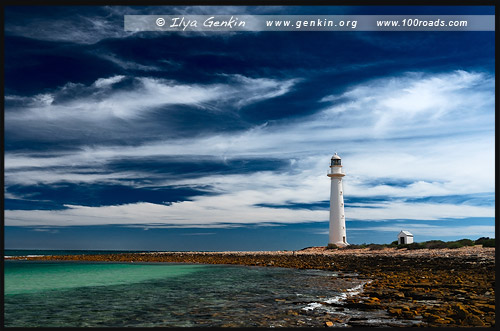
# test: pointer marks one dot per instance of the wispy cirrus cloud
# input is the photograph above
(441, 152)
(233, 208)
(400, 106)
(428, 148)
(73, 27)
(100, 100)
(77, 26)
(133, 65)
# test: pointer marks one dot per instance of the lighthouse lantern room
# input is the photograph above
(337, 233)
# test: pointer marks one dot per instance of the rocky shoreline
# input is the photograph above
(427, 287)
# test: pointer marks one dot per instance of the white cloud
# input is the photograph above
(128, 65)
(236, 208)
(183, 213)
(100, 103)
(104, 82)
(71, 27)
(258, 89)
(420, 211)
(78, 27)
(428, 102)
(443, 145)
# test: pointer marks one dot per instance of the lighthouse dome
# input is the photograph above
(335, 160)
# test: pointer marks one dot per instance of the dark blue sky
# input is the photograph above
(222, 141)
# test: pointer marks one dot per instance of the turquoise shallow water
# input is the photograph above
(32, 277)
(83, 294)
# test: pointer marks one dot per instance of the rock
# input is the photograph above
(229, 325)
(403, 307)
(472, 320)
(489, 319)
(408, 314)
(485, 307)
(399, 295)
(431, 317)
(176, 313)
(442, 321)
(395, 311)
(460, 311)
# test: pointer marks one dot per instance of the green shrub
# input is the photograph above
(415, 246)
(431, 244)
(481, 240)
(486, 242)
(435, 244)
(454, 244)
(489, 243)
(466, 242)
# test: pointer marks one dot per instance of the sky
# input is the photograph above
(208, 141)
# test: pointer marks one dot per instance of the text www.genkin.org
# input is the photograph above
(311, 23)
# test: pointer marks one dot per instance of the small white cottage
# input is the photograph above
(405, 237)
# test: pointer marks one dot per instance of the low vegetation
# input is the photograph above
(431, 244)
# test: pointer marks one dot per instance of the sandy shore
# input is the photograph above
(431, 287)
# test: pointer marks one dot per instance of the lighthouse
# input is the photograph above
(337, 234)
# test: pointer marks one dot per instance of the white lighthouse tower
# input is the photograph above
(337, 235)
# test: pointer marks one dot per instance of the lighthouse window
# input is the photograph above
(340, 192)
(335, 162)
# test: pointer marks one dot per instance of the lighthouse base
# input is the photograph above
(339, 244)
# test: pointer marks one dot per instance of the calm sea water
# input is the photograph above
(84, 294)
(35, 252)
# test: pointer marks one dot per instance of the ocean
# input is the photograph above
(91, 294)
(39, 252)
